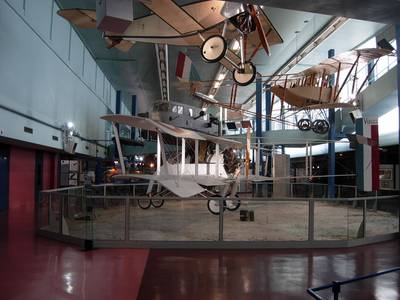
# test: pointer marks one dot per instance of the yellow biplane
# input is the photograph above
(226, 32)
(320, 87)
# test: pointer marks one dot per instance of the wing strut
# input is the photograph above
(118, 143)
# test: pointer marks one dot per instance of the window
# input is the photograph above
(190, 110)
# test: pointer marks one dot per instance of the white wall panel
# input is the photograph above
(76, 54)
(38, 82)
(38, 14)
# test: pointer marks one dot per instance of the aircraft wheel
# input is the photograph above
(144, 203)
(213, 48)
(304, 124)
(213, 206)
(157, 203)
(320, 126)
(232, 205)
(245, 77)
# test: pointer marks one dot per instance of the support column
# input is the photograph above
(398, 76)
(133, 113)
(196, 157)
(158, 153)
(117, 112)
(117, 105)
(183, 156)
(258, 124)
(217, 161)
(119, 149)
(331, 145)
(268, 106)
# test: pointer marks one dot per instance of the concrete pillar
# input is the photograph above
(268, 106)
(331, 145)
(398, 76)
(133, 113)
(258, 123)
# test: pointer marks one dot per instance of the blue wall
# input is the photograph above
(47, 73)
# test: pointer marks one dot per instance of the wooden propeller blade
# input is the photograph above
(82, 18)
(260, 29)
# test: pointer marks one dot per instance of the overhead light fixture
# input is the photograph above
(211, 96)
(70, 125)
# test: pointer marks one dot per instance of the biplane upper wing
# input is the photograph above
(152, 125)
(345, 60)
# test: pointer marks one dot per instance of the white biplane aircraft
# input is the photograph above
(213, 26)
(186, 179)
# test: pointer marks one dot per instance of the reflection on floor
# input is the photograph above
(35, 268)
(273, 274)
(274, 221)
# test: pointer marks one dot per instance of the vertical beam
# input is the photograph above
(258, 106)
(118, 144)
(268, 107)
(331, 145)
(221, 119)
(117, 105)
(133, 113)
(196, 157)
(158, 153)
(258, 159)
(398, 76)
(306, 162)
(183, 155)
(217, 162)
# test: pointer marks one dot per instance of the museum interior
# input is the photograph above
(199, 149)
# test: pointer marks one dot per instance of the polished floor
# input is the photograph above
(35, 268)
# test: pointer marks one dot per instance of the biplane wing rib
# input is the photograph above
(173, 15)
(345, 60)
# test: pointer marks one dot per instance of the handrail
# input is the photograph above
(293, 199)
(335, 285)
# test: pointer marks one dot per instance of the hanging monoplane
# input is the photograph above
(213, 26)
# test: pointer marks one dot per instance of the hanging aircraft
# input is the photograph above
(213, 26)
(320, 87)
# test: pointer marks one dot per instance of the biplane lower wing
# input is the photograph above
(303, 95)
(182, 186)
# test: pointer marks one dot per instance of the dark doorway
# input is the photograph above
(4, 174)
(38, 174)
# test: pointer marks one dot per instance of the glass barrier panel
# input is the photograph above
(107, 218)
(51, 207)
(301, 190)
(330, 220)
(172, 220)
(382, 216)
(266, 220)
(355, 217)
(75, 216)
(43, 211)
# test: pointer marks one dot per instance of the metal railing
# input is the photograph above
(286, 215)
(336, 285)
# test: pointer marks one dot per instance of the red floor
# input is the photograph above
(35, 268)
